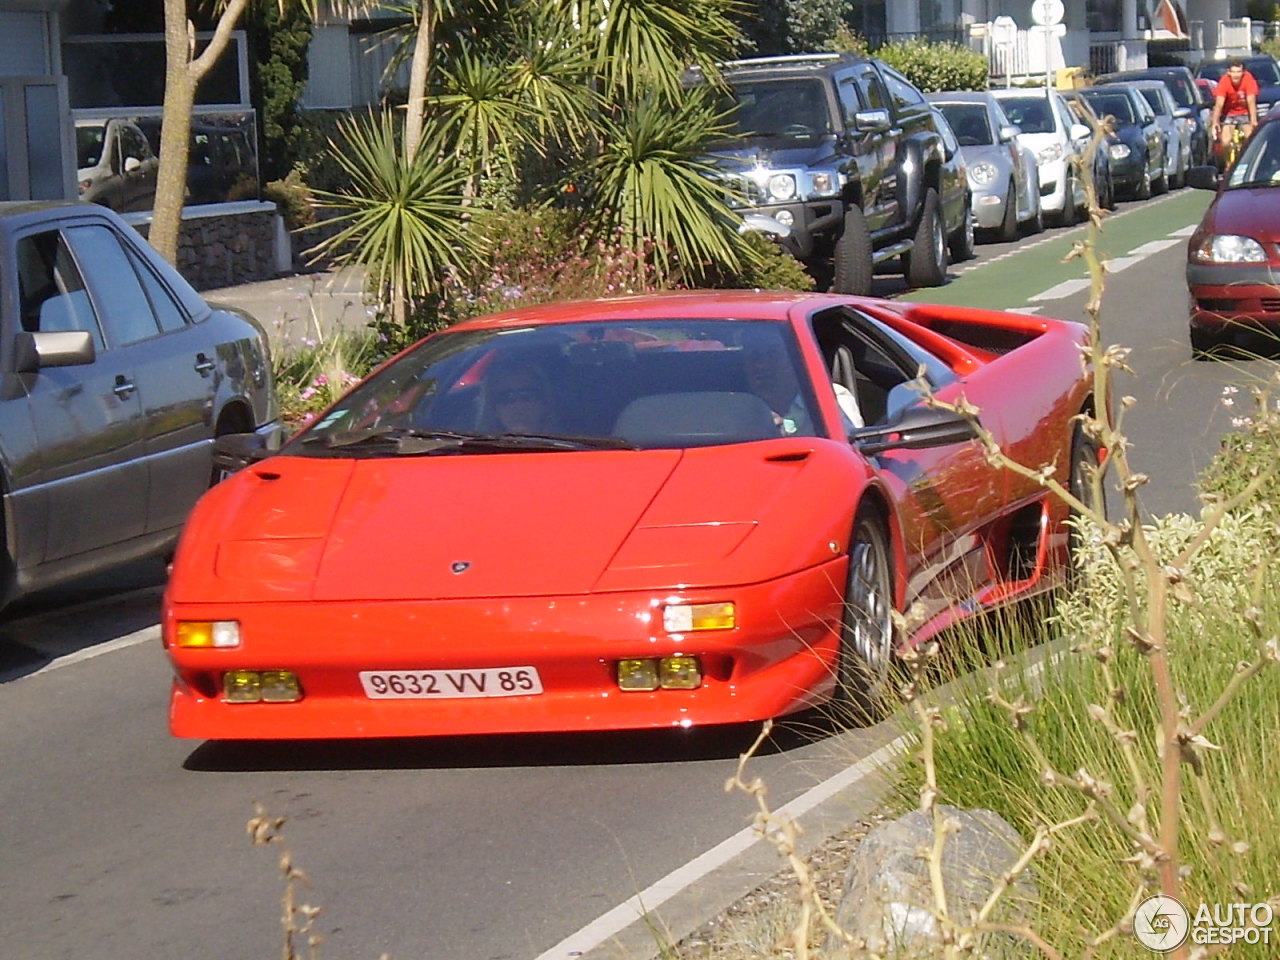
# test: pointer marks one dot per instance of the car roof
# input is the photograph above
(790, 63)
(960, 96)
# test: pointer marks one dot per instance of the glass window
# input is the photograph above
(1031, 114)
(51, 292)
(125, 310)
(167, 310)
(901, 89)
(970, 122)
(873, 93)
(649, 384)
(849, 101)
(781, 108)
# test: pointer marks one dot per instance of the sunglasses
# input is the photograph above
(521, 395)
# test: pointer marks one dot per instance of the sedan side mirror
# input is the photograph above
(61, 348)
(918, 428)
(1009, 132)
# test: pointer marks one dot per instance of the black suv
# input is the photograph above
(844, 151)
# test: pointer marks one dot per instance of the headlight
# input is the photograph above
(782, 186)
(1119, 151)
(1228, 248)
(983, 173)
(689, 617)
(207, 633)
(1050, 153)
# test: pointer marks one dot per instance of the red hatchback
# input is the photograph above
(660, 511)
(1233, 258)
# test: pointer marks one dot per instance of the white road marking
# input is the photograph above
(1155, 246)
(145, 635)
(1064, 289)
(610, 924)
(1116, 264)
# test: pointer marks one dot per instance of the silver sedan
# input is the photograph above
(1002, 174)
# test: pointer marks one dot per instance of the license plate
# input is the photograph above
(450, 684)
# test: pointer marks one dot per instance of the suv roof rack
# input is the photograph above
(789, 60)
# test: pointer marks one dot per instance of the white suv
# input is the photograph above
(1051, 131)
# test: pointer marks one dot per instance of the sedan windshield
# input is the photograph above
(1259, 164)
(580, 386)
(1113, 104)
(1031, 114)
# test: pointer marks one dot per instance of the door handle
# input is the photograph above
(204, 366)
(123, 387)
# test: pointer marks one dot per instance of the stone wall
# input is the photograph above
(222, 245)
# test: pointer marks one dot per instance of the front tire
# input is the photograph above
(1205, 344)
(1008, 229)
(868, 640)
(1067, 218)
(852, 259)
(926, 261)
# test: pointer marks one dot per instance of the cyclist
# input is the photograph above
(1235, 103)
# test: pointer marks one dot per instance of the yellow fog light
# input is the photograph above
(207, 633)
(679, 673)
(637, 675)
(241, 686)
(686, 617)
(280, 686)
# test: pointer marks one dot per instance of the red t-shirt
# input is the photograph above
(1234, 102)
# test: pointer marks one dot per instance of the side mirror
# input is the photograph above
(235, 451)
(872, 121)
(1079, 131)
(1184, 113)
(131, 164)
(1204, 178)
(61, 348)
(918, 428)
(1009, 132)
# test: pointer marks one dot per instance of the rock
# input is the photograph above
(888, 903)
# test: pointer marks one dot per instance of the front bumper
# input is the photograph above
(814, 224)
(780, 658)
(1241, 295)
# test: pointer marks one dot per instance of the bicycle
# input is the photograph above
(1231, 149)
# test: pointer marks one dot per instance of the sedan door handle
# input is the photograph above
(204, 366)
(123, 387)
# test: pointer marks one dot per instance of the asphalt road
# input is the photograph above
(119, 841)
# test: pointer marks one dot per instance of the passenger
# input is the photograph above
(772, 377)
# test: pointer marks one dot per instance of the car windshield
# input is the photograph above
(970, 123)
(89, 145)
(1264, 70)
(1111, 104)
(578, 386)
(1259, 164)
(1152, 96)
(1031, 114)
(787, 109)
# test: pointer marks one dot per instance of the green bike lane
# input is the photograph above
(1033, 274)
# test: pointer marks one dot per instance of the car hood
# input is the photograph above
(773, 154)
(1249, 211)
(529, 524)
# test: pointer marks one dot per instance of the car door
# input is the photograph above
(88, 418)
(944, 494)
(879, 150)
(175, 364)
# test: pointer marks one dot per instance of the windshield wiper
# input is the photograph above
(410, 441)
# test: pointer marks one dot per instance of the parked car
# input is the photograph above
(1137, 161)
(1233, 257)
(1170, 118)
(1051, 131)
(1103, 180)
(843, 150)
(116, 165)
(521, 523)
(1003, 174)
(1186, 92)
(116, 377)
(957, 199)
(1264, 68)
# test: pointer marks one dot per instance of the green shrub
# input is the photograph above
(293, 199)
(936, 66)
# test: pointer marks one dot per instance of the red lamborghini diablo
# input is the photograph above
(658, 511)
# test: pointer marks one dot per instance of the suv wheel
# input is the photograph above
(926, 261)
(853, 264)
